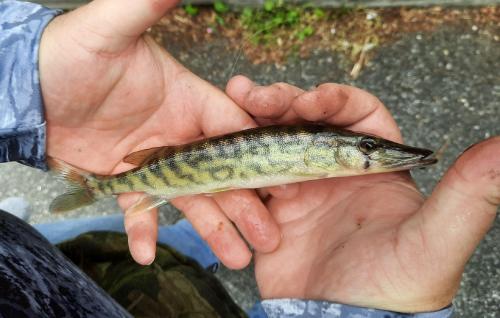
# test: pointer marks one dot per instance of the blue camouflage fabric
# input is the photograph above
(22, 139)
(291, 308)
(22, 124)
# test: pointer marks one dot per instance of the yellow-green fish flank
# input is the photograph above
(253, 158)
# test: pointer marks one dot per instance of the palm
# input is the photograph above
(121, 104)
(352, 238)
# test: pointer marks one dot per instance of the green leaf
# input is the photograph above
(319, 13)
(219, 20)
(292, 16)
(269, 5)
(191, 10)
(305, 32)
(278, 20)
(308, 30)
(220, 7)
(247, 13)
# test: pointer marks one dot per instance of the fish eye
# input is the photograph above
(367, 145)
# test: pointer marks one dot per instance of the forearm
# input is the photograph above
(22, 124)
(288, 308)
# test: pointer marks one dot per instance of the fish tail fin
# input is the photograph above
(78, 193)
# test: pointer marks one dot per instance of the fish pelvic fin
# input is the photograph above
(145, 203)
(78, 193)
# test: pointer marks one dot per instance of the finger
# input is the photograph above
(214, 227)
(252, 218)
(263, 193)
(339, 105)
(347, 106)
(321, 103)
(271, 102)
(141, 229)
(112, 25)
(216, 113)
(463, 206)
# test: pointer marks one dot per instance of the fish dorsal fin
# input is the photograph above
(147, 155)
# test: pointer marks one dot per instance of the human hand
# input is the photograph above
(109, 91)
(374, 240)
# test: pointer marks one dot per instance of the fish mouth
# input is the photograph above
(405, 157)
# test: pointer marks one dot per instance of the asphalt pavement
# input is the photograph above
(443, 87)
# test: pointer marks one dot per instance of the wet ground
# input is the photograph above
(442, 87)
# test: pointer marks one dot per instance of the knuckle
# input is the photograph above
(373, 102)
(238, 204)
(280, 86)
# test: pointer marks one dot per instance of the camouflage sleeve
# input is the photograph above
(22, 124)
(288, 308)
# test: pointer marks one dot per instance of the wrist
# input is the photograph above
(22, 129)
(378, 298)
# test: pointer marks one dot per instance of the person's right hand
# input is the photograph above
(374, 240)
(109, 90)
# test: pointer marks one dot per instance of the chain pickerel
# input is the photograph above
(253, 158)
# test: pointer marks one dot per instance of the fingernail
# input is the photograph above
(151, 262)
(469, 148)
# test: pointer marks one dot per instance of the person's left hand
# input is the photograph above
(109, 91)
(372, 240)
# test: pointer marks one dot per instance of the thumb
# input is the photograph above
(463, 206)
(117, 23)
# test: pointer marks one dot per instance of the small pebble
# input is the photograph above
(371, 15)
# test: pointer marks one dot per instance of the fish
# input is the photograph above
(247, 159)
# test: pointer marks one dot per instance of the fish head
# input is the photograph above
(371, 154)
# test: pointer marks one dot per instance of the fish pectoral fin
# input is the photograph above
(147, 155)
(145, 203)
